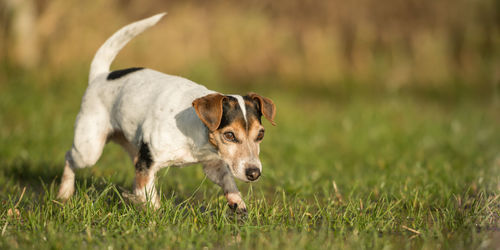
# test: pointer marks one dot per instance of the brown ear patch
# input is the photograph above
(209, 110)
(265, 105)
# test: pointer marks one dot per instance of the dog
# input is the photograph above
(162, 120)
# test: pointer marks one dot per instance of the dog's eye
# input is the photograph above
(260, 135)
(229, 136)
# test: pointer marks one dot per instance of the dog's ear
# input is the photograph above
(266, 106)
(209, 110)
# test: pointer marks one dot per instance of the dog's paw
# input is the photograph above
(238, 209)
(65, 192)
(236, 204)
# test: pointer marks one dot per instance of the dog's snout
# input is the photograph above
(252, 173)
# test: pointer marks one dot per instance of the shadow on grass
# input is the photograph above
(42, 177)
(38, 176)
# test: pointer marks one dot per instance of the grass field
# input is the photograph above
(344, 168)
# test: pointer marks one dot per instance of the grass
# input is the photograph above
(343, 169)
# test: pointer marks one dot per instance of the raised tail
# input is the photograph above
(108, 51)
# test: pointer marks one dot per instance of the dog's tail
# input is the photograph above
(108, 51)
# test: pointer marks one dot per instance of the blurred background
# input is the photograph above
(396, 44)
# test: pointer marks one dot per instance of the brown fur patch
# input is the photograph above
(142, 166)
(264, 105)
(209, 109)
(141, 179)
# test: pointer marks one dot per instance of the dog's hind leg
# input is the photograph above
(90, 137)
(67, 187)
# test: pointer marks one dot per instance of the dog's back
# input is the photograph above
(147, 98)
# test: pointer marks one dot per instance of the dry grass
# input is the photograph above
(395, 44)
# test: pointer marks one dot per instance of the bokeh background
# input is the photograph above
(394, 44)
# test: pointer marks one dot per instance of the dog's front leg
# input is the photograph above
(219, 173)
(144, 187)
(145, 171)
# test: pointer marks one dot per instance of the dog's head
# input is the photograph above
(235, 129)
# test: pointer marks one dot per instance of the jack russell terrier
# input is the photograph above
(163, 120)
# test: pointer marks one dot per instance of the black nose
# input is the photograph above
(252, 173)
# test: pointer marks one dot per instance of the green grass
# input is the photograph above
(343, 169)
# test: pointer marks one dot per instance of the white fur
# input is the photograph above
(147, 107)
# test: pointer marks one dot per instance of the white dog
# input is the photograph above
(163, 120)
